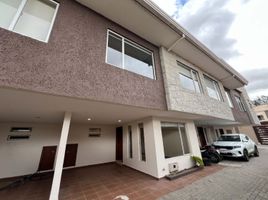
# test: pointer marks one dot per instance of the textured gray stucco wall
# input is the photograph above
(73, 64)
(180, 99)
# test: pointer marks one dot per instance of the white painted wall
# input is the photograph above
(184, 161)
(150, 165)
(22, 157)
(156, 165)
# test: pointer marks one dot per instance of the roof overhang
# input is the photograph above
(147, 20)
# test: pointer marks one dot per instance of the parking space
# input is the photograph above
(238, 180)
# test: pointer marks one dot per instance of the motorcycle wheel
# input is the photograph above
(215, 157)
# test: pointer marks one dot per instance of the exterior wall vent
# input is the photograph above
(18, 137)
(21, 129)
(94, 132)
(173, 167)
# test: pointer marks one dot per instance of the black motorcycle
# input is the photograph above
(210, 155)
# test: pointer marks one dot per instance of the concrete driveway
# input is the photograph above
(239, 180)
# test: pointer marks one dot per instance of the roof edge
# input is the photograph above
(165, 18)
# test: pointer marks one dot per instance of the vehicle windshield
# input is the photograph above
(230, 138)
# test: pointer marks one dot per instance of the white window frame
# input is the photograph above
(133, 44)
(192, 71)
(217, 89)
(19, 12)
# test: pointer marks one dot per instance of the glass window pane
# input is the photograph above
(8, 9)
(185, 71)
(142, 143)
(130, 142)
(229, 99)
(187, 82)
(171, 140)
(36, 18)
(212, 92)
(114, 54)
(138, 61)
(184, 140)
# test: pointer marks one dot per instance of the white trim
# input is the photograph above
(53, 19)
(17, 15)
(182, 145)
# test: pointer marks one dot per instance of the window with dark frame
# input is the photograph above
(142, 143)
(128, 55)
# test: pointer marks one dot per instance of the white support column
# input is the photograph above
(55, 188)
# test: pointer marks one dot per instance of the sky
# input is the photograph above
(235, 30)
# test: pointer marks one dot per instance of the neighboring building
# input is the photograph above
(262, 113)
(129, 86)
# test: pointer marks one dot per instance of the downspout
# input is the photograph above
(176, 42)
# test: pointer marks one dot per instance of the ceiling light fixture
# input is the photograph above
(89, 119)
(119, 120)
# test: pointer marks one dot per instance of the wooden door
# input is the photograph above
(70, 155)
(119, 143)
(202, 137)
(47, 158)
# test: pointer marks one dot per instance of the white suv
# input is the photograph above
(236, 145)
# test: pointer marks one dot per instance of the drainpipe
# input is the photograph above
(176, 42)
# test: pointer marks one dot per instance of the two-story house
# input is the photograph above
(128, 83)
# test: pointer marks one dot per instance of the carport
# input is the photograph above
(103, 182)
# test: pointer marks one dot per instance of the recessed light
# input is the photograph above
(89, 119)
(119, 120)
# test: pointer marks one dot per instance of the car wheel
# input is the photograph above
(256, 152)
(245, 155)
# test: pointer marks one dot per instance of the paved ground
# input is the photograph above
(239, 180)
(103, 182)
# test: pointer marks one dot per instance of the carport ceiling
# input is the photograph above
(25, 106)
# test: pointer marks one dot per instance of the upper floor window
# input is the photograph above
(189, 78)
(227, 93)
(213, 88)
(32, 18)
(128, 55)
(260, 117)
(240, 104)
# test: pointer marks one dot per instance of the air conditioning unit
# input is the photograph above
(173, 167)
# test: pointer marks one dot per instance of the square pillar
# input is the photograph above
(55, 188)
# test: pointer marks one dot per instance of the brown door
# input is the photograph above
(119, 143)
(70, 155)
(201, 135)
(47, 158)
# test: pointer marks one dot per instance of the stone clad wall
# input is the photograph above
(180, 99)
